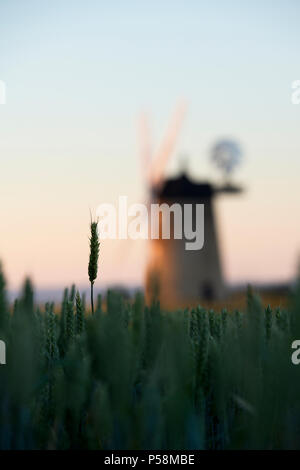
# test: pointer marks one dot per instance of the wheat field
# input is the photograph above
(136, 377)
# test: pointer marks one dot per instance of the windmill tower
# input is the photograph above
(177, 276)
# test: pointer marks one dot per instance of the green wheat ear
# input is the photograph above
(79, 315)
(94, 256)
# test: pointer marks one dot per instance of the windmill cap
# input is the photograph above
(184, 187)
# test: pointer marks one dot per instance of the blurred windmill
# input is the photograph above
(175, 275)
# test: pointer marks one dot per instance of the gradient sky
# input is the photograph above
(78, 73)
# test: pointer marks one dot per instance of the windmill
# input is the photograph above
(177, 276)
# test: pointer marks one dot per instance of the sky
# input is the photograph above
(78, 75)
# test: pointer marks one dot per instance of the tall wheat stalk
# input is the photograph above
(94, 256)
